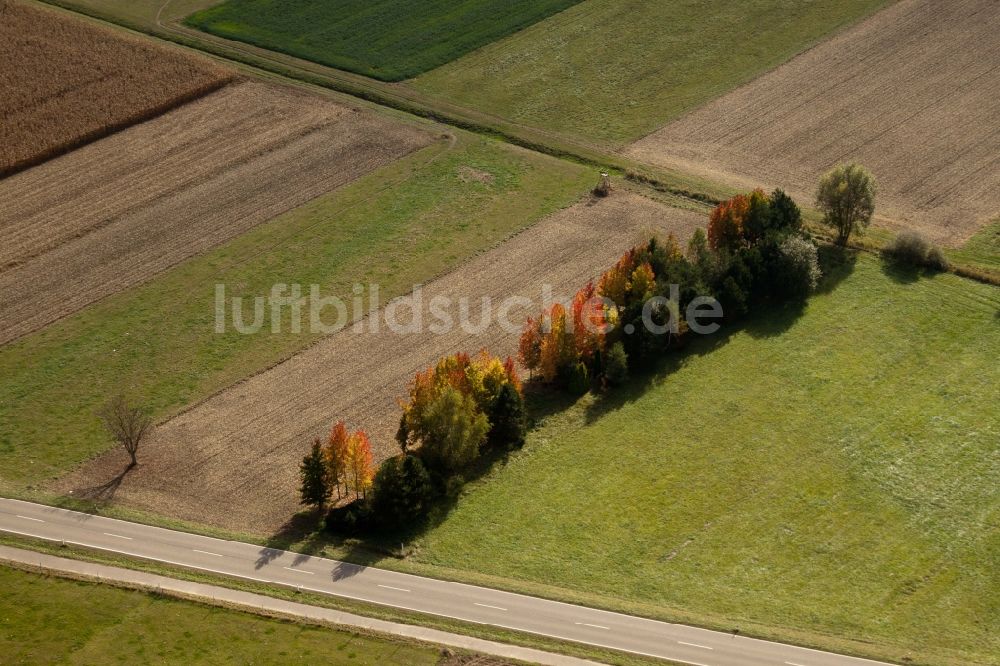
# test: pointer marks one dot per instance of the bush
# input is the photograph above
(401, 492)
(354, 519)
(797, 272)
(616, 365)
(578, 379)
(910, 248)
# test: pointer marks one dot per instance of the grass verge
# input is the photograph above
(62, 621)
(328, 601)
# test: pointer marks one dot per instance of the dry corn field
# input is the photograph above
(66, 82)
(120, 210)
(230, 460)
(911, 93)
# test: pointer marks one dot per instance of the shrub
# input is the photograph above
(616, 365)
(354, 519)
(401, 492)
(797, 272)
(578, 379)
(912, 249)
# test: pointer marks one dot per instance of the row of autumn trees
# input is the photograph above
(755, 253)
(455, 411)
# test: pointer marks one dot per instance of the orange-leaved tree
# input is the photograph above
(359, 463)
(335, 455)
(478, 381)
(725, 224)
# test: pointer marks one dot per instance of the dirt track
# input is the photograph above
(911, 93)
(232, 461)
(114, 213)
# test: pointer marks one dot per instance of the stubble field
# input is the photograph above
(67, 82)
(910, 93)
(118, 211)
(231, 461)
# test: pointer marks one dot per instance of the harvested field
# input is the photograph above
(232, 461)
(67, 82)
(910, 93)
(120, 210)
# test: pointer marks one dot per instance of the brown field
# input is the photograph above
(116, 212)
(232, 461)
(910, 93)
(66, 82)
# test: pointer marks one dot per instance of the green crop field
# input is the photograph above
(45, 620)
(615, 70)
(397, 227)
(384, 39)
(833, 473)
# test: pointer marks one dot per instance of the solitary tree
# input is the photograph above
(315, 490)
(127, 424)
(846, 195)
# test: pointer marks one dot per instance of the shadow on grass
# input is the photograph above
(904, 273)
(305, 531)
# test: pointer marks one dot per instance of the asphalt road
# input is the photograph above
(469, 603)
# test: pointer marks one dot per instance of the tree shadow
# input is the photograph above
(542, 402)
(837, 263)
(298, 531)
(904, 273)
(104, 492)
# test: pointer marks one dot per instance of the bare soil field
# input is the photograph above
(910, 93)
(67, 82)
(232, 461)
(114, 213)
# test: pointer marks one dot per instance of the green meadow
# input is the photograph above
(615, 70)
(830, 472)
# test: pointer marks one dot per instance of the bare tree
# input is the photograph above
(127, 424)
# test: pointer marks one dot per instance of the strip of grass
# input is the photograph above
(982, 251)
(487, 632)
(832, 473)
(399, 226)
(384, 39)
(56, 621)
(616, 70)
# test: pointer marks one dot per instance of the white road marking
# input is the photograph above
(792, 663)
(488, 606)
(704, 647)
(118, 536)
(37, 520)
(205, 552)
(311, 573)
(595, 626)
(390, 587)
